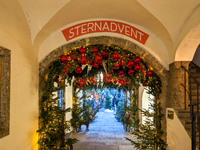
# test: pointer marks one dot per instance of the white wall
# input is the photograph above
(177, 137)
(141, 90)
(145, 103)
(23, 101)
(68, 101)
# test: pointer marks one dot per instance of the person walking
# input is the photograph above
(113, 102)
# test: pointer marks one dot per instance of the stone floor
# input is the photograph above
(105, 133)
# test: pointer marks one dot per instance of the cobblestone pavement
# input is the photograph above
(105, 133)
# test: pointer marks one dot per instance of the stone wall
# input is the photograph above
(5, 92)
(176, 90)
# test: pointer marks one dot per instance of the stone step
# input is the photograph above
(196, 75)
(194, 91)
(194, 82)
(184, 116)
(194, 96)
(192, 70)
(193, 86)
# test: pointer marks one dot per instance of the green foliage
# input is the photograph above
(127, 113)
(82, 112)
(108, 103)
(88, 111)
(120, 112)
(76, 113)
(70, 142)
(150, 135)
(52, 123)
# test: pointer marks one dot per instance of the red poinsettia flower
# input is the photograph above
(149, 73)
(90, 62)
(98, 59)
(104, 54)
(137, 67)
(115, 56)
(82, 50)
(130, 72)
(95, 65)
(83, 60)
(67, 64)
(78, 70)
(63, 58)
(115, 80)
(130, 64)
(116, 66)
(95, 50)
(120, 73)
(137, 60)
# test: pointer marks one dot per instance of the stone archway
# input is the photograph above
(150, 60)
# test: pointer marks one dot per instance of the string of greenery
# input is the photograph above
(122, 70)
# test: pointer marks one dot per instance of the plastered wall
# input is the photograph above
(23, 101)
(177, 137)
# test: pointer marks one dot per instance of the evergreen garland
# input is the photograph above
(150, 135)
(122, 70)
(52, 123)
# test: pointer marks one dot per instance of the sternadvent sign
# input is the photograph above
(105, 26)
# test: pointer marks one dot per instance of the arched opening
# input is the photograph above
(105, 83)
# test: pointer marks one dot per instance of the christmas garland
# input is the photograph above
(122, 69)
(120, 66)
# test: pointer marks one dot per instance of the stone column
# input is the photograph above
(176, 90)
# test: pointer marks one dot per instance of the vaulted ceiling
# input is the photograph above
(29, 23)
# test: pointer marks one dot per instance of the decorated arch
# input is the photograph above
(122, 69)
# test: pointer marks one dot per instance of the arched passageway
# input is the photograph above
(136, 74)
(105, 132)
